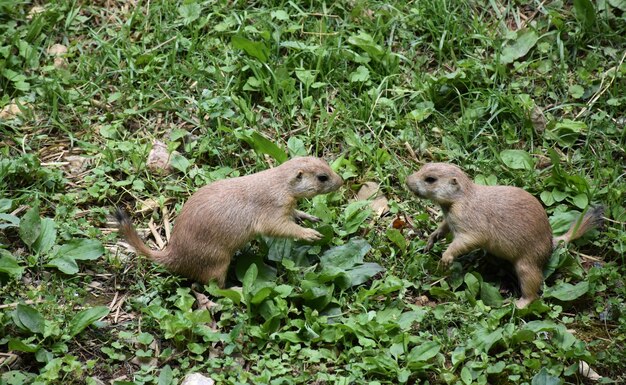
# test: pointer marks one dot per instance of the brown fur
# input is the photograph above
(223, 216)
(505, 221)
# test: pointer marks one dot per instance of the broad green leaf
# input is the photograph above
(179, 162)
(545, 378)
(395, 236)
(184, 300)
(5, 205)
(576, 91)
(361, 74)
(422, 111)
(619, 4)
(9, 265)
(16, 377)
(248, 282)
(85, 318)
(8, 220)
(483, 339)
(424, 352)
(256, 49)
(21, 346)
(279, 248)
(296, 147)
(261, 144)
(585, 12)
(145, 338)
(265, 272)
(316, 295)
(365, 41)
(566, 291)
(540, 326)
(566, 132)
(30, 226)
(280, 15)
(262, 293)
(189, 12)
(166, 377)
(355, 214)
(515, 49)
(581, 201)
(472, 281)
(490, 295)
(30, 318)
(361, 273)
(47, 236)
(81, 249)
(307, 77)
(346, 255)
(65, 264)
(517, 159)
(547, 198)
(466, 376)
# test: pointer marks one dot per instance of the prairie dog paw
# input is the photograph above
(446, 260)
(523, 302)
(311, 235)
(429, 244)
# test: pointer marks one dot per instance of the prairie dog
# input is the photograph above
(505, 221)
(223, 216)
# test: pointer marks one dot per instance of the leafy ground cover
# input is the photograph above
(525, 93)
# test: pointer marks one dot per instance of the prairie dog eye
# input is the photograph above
(430, 179)
(322, 177)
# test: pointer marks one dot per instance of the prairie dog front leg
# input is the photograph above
(289, 229)
(459, 246)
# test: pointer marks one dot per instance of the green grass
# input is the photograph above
(372, 87)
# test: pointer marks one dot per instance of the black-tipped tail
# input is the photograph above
(593, 218)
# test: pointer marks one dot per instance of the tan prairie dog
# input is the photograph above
(505, 221)
(223, 216)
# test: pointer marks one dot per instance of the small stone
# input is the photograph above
(159, 159)
(197, 379)
(57, 50)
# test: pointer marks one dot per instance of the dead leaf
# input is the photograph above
(148, 205)
(10, 111)
(398, 223)
(148, 361)
(76, 164)
(380, 206)
(538, 119)
(159, 159)
(37, 9)
(379, 203)
(424, 301)
(203, 301)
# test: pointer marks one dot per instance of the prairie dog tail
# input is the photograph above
(128, 232)
(591, 219)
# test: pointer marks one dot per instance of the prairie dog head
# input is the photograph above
(442, 183)
(310, 176)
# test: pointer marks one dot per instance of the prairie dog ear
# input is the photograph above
(299, 174)
(453, 181)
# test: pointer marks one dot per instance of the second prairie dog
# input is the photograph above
(223, 216)
(505, 221)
